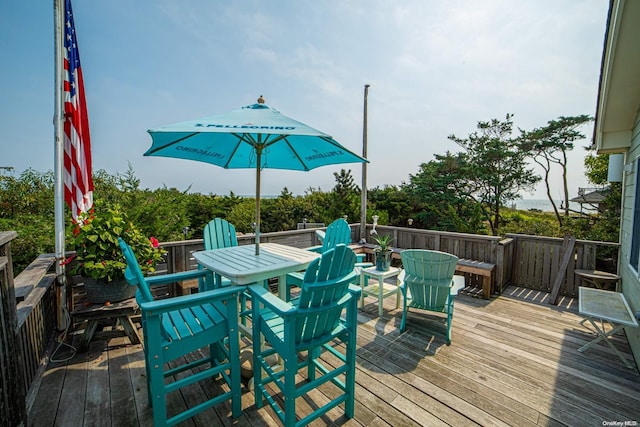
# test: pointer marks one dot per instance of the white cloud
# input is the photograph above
(435, 68)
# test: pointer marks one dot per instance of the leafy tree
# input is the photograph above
(596, 168)
(549, 145)
(498, 166)
(30, 193)
(161, 213)
(345, 197)
(243, 215)
(201, 209)
(391, 204)
(605, 225)
(106, 187)
(530, 222)
(281, 213)
(442, 195)
(36, 235)
(315, 206)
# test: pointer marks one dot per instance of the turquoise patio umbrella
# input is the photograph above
(256, 137)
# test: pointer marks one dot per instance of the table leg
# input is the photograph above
(86, 337)
(363, 280)
(130, 329)
(602, 335)
(282, 287)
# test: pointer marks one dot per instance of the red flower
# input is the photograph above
(154, 242)
(68, 260)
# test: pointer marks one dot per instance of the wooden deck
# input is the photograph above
(513, 361)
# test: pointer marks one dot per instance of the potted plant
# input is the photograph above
(382, 251)
(99, 259)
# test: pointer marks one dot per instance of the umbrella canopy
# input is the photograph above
(256, 136)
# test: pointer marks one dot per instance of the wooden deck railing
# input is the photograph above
(536, 260)
(29, 314)
(27, 326)
(527, 261)
(12, 402)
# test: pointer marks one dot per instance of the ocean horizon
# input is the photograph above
(543, 205)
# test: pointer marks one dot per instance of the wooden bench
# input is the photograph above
(484, 269)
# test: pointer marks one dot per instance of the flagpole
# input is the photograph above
(58, 25)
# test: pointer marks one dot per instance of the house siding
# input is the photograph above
(630, 280)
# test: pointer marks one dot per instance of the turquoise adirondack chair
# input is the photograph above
(427, 283)
(175, 327)
(311, 323)
(338, 232)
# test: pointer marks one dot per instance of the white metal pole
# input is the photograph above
(363, 193)
(58, 25)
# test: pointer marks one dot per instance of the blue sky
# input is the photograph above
(435, 68)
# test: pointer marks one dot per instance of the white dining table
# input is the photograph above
(242, 266)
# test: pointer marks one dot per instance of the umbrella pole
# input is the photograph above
(258, 160)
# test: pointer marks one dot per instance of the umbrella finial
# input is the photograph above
(261, 100)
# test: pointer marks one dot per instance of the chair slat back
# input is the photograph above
(134, 274)
(219, 233)
(428, 276)
(338, 232)
(324, 293)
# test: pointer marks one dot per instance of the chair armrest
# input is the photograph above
(361, 260)
(320, 234)
(261, 295)
(362, 264)
(354, 290)
(401, 283)
(187, 301)
(316, 249)
(458, 283)
(164, 279)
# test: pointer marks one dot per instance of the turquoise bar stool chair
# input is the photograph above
(338, 232)
(299, 331)
(219, 233)
(175, 327)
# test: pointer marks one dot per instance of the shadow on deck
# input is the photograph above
(513, 360)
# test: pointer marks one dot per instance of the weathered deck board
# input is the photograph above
(513, 360)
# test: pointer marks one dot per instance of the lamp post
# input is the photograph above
(363, 193)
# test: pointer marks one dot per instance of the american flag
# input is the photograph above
(78, 180)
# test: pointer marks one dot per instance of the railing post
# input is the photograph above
(13, 408)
